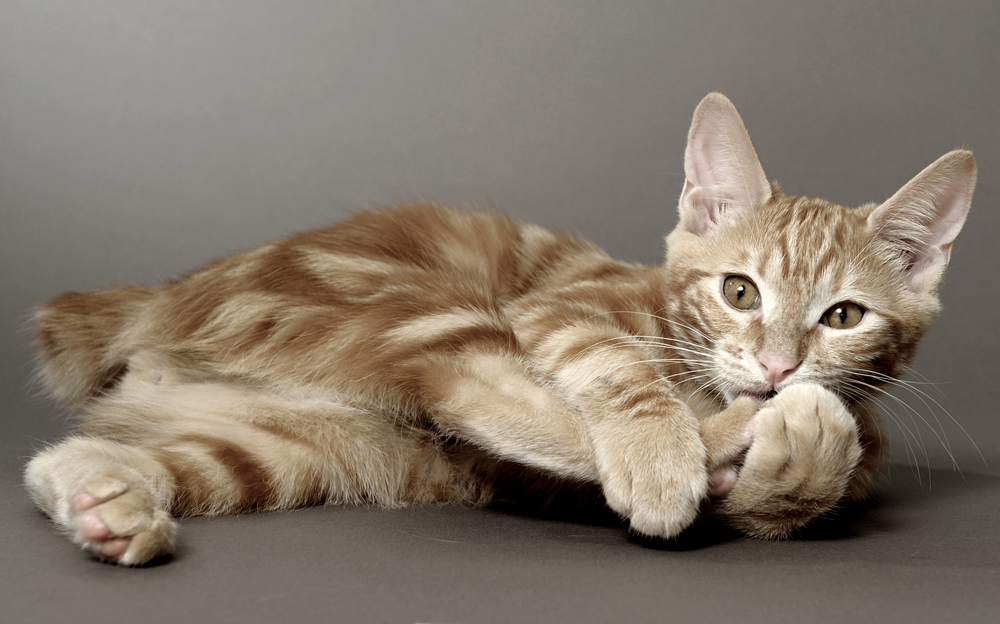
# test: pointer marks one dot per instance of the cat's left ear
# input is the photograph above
(721, 169)
(922, 219)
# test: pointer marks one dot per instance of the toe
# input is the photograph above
(93, 528)
(115, 547)
(83, 501)
(721, 481)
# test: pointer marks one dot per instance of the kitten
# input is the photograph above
(421, 353)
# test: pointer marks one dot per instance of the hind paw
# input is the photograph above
(118, 523)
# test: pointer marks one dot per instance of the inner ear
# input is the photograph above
(721, 168)
(921, 221)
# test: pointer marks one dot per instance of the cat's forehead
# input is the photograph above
(807, 225)
(804, 241)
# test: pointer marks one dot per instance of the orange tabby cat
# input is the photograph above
(422, 353)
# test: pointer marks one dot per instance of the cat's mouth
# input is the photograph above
(759, 397)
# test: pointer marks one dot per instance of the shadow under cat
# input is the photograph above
(943, 509)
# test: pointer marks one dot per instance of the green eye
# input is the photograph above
(741, 293)
(844, 315)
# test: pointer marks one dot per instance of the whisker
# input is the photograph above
(908, 434)
(641, 340)
(624, 342)
(914, 413)
(924, 397)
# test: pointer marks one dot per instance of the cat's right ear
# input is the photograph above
(721, 168)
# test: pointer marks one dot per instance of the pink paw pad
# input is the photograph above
(115, 547)
(83, 501)
(722, 481)
(93, 528)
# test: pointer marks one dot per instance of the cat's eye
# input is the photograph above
(741, 293)
(844, 315)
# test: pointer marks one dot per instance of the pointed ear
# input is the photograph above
(920, 222)
(720, 166)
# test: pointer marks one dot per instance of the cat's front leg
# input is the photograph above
(652, 466)
(804, 450)
(607, 418)
(643, 441)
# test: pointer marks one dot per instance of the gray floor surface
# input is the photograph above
(925, 551)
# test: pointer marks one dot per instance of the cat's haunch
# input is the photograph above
(423, 353)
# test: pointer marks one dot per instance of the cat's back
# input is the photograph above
(366, 295)
(438, 250)
(360, 291)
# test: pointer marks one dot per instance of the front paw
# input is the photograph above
(654, 476)
(805, 447)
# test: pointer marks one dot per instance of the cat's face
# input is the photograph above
(767, 290)
(797, 290)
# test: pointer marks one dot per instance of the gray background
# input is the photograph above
(138, 140)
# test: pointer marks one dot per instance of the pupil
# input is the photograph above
(740, 291)
(842, 313)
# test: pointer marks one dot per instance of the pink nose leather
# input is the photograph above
(777, 368)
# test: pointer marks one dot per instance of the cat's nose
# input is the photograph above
(777, 368)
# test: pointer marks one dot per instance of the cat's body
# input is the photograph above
(421, 353)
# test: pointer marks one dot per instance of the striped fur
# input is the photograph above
(423, 353)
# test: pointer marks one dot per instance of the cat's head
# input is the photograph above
(777, 289)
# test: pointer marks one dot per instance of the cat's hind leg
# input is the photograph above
(109, 498)
(162, 448)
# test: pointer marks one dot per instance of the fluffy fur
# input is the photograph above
(423, 353)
